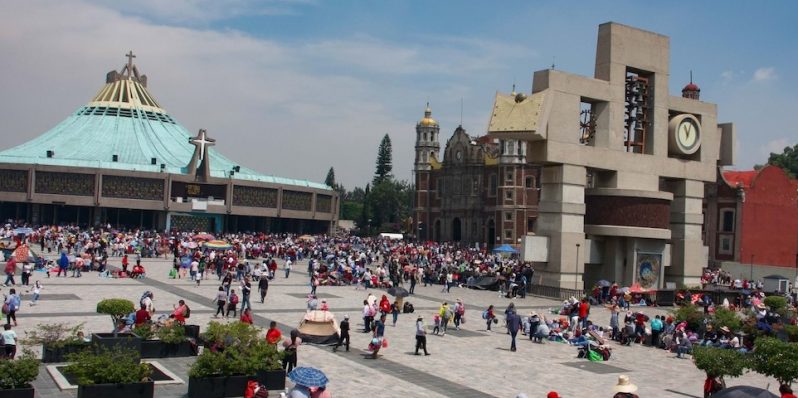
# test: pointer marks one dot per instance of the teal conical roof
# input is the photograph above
(124, 128)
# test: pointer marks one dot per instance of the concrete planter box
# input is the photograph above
(159, 349)
(58, 354)
(274, 380)
(131, 390)
(123, 340)
(17, 393)
(216, 387)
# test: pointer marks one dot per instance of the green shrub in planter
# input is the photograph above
(105, 366)
(173, 334)
(54, 335)
(144, 331)
(725, 317)
(690, 314)
(238, 350)
(117, 308)
(20, 372)
(775, 302)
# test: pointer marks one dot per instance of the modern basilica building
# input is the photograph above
(623, 166)
(123, 160)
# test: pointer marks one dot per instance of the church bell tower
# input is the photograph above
(427, 148)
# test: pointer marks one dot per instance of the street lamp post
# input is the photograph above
(751, 278)
(576, 276)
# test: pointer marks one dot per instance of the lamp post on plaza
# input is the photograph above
(576, 275)
(752, 269)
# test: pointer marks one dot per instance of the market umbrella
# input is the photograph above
(203, 236)
(398, 292)
(624, 290)
(308, 377)
(307, 238)
(218, 244)
(603, 283)
(744, 392)
(505, 249)
(23, 231)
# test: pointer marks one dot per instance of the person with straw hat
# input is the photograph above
(624, 388)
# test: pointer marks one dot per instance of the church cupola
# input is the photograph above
(691, 90)
(427, 145)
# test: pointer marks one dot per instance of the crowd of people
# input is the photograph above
(247, 260)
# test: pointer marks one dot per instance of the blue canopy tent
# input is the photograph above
(505, 249)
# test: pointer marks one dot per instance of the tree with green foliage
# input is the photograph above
(117, 308)
(726, 317)
(384, 161)
(690, 314)
(718, 363)
(775, 358)
(787, 160)
(330, 179)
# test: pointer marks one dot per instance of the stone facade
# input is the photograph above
(483, 191)
(617, 139)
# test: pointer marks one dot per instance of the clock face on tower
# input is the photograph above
(458, 155)
(684, 135)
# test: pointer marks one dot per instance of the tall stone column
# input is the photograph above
(561, 213)
(687, 247)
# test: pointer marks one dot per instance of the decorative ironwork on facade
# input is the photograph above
(324, 204)
(13, 181)
(293, 200)
(254, 197)
(587, 126)
(64, 183)
(132, 188)
(191, 223)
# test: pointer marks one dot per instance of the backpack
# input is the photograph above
(485, 314)
(187, 313)
(234, 299)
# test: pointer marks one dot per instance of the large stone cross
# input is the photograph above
(202, 142)
(130, 57)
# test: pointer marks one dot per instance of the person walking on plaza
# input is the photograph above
(287, 267)
(232, 304)
(290, 346)
(221, 300)
(489, 316)
(513, 325)
(37, 290)
(27, 268)
(246, 291)
(368, 316)
(10, 306)
(343, 337)
(379, 336)
(11, 268)
(421, 335)
(395, 309)
(459, 313)
(263, 288)
(63, 264)
(314, 283)
(415, 276)
(9, 338)
(246, 316)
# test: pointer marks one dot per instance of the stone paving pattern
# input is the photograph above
(471, 363)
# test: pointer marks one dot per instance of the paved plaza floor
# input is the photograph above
(467, 363)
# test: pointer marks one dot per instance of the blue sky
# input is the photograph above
(293, 87)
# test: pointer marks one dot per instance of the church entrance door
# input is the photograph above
(457, 230)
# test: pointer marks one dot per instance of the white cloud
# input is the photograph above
(774, 146)
(202, 11)
(765, 74)
(289, 109)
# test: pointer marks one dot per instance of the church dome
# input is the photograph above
(428, 121)
(691, 87)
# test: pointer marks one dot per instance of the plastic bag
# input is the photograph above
(594, 356)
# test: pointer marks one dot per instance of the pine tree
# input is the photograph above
(330, 180)
(384, 162)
